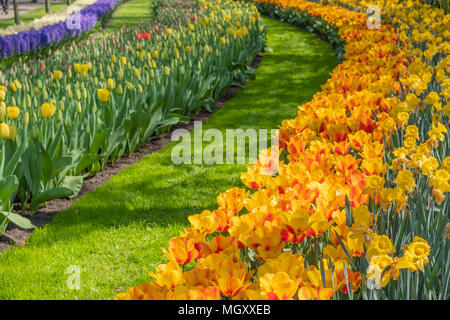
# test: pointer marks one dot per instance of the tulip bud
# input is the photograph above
(110, 84)
(79, 107)
(137, 72)
(34, 133)
(2, 111)
(26, 118)
(39, 82)
(18, 84)
(129, 85)
(4, 130)
(61, 104)
(2, 95)
(78, 94)
(59, 115)
(119, 89)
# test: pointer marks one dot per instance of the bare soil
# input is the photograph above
(16, 235)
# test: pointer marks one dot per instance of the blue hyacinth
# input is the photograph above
(33, 40)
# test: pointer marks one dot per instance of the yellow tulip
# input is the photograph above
(12, 132)
(103, 95)
(13, 112)
(48, 110)
(110, 84)
(57, 75)
(4, 130)
(84, 69)
(13, 87)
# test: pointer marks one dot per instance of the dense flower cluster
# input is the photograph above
(32, 40)
(344, 215)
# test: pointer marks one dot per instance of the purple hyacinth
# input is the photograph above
(33, 40)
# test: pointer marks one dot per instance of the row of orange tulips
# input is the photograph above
(358, 208)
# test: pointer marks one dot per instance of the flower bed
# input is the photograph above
(32, 40)
(358, 208)
(68, 115)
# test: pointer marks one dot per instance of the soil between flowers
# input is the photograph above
(16, 235)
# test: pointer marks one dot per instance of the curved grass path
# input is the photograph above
(115, 233)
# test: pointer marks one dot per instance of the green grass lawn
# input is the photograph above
(33, 14)
(130, 13)
(115, 233)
